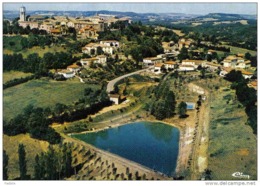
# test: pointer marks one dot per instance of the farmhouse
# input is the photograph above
(170, 64)
(101, 59)
(73, 68)
(115, 98)
(158, 68)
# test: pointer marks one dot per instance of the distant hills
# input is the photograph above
(145, 17)
(226, 17)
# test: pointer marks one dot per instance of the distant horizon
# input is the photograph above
(178, 8)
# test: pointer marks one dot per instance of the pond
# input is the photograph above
(154, 145)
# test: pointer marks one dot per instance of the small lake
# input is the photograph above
(154, 145)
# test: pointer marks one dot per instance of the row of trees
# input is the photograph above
(50, 165)
(54, 164)
(17, 81)
(247, 96)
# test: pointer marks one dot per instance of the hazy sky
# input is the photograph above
(190, 8)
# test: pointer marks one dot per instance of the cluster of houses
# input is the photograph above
(231, 62)
(86, 27)
(108, 47)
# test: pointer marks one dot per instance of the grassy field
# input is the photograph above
(41, 51)
(41, 93)
(232, 144)
(7, 76)
(236, 50)
(32, 146)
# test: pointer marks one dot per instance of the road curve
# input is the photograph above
(110, 85)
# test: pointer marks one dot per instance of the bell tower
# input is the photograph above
(22, 13)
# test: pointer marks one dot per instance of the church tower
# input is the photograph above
(22, 13)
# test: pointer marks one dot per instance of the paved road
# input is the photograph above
(110, 85)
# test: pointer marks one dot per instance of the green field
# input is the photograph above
(41, 93)
(232, 144)
(41, 51)
(236, 50)
(8, 76)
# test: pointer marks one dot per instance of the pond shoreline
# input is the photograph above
(183, 154)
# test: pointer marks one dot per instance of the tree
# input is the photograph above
(202, 72)
(234, 76)
(22, 162)
(207, 174)
(92, 51)
(182, 109)
(67, 160)
(183, 54)
(99, 50)
(170, 104)
(38, 169)
(248, 56)
(51, 160)
(5, 165)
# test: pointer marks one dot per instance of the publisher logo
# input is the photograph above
(240, 175)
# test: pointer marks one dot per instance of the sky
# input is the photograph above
(149, 7)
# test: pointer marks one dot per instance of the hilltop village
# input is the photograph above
(99, 50)
(68, 75)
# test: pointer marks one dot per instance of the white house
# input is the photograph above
(67, 73)
(102, 59)
(186, 68)
(114, 98)
(170, 64)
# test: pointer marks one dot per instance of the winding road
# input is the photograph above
(111, 84)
